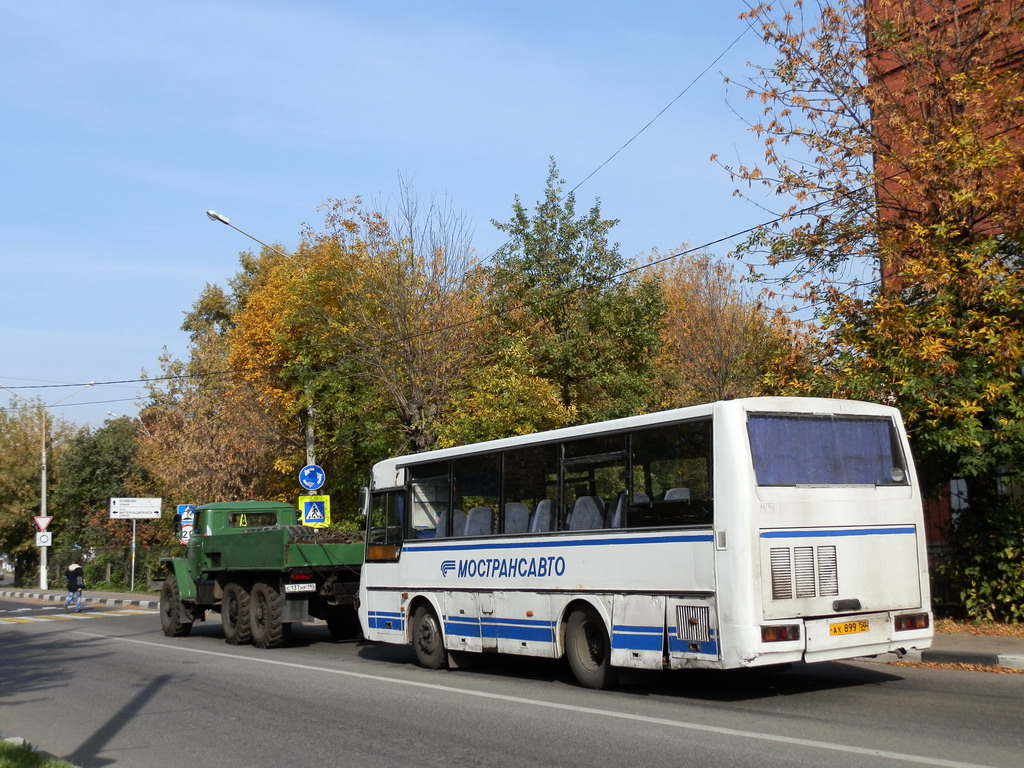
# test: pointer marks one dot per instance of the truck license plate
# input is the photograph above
(307, 587)
(848, 628)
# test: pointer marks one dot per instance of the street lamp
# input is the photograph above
(43, 579)
(310, 445)
(214, 216)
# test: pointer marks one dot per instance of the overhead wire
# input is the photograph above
(487, 315)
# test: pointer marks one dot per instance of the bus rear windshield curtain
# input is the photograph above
(790, 450)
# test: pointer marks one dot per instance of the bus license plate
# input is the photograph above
(847, 628)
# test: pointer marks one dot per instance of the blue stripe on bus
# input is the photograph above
(628, 638)
(819, 534)
(708, 647)
(386, 620)
(624, 637)
(411, 546)
(506, 629)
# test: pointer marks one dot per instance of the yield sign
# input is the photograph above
(42, 523)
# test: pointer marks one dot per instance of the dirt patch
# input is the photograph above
(961, 667)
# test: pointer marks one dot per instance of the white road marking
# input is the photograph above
(734, 732)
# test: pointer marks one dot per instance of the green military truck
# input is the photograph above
(253, 563)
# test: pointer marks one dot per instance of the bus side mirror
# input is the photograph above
(364, 501)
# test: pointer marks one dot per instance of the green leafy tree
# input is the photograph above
(561, 287)
(21, 447)
(95, 466)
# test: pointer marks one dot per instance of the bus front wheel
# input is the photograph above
(427, 639)
(588, 650)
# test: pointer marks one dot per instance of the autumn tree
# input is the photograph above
(589, 324)
(401, 304)
(717, 341)
(894, 131)
(208, 437)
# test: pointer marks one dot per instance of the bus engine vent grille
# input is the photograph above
(782, 573)
(693, 623)
(813, 571)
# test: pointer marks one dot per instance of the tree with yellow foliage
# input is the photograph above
(894, 128)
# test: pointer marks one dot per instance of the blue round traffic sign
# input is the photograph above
(311, 477)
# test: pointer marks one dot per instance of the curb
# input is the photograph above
(114, 602)
(1008, 660)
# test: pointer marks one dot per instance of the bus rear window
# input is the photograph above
(790, 449)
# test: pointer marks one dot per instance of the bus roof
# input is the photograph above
(385, 472)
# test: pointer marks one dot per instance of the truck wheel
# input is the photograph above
(343, 622)
(266, 611)
(171, 609)
(588, 650)
(427, 639)
(234, 614)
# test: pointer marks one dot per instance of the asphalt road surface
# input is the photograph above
(105, 687)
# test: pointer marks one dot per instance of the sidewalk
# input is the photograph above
(952, 648)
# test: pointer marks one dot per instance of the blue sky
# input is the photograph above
(122, 122)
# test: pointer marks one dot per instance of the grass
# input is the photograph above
(24, 756)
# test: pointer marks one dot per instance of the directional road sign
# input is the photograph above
(311, 477)
(134, 509)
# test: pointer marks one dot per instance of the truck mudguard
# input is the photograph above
(186, 584)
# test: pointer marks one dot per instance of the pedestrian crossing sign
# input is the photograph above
(316, 511)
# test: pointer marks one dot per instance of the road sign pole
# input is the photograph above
(134, 521)
(43, 578)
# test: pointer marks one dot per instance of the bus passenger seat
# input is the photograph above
(677, 494)
(587, 513)
(480, 521)
(615, 512)
(517, 517)
(543, 516)
(458, 523)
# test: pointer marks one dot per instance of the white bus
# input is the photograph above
(742, 533)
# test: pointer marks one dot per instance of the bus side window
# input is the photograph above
(528, 487)
(673, 464)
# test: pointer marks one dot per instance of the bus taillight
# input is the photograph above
(911, 621)
(780, 633)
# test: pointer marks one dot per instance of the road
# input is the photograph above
(106, 688)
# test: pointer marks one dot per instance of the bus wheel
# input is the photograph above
(427, 639)
(234, 614)
(588, 650)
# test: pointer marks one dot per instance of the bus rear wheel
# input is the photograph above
(427, 639)
(588, 650)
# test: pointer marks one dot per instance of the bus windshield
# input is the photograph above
(791, 449)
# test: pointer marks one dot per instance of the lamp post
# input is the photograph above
(43, 578)
(310, 444)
